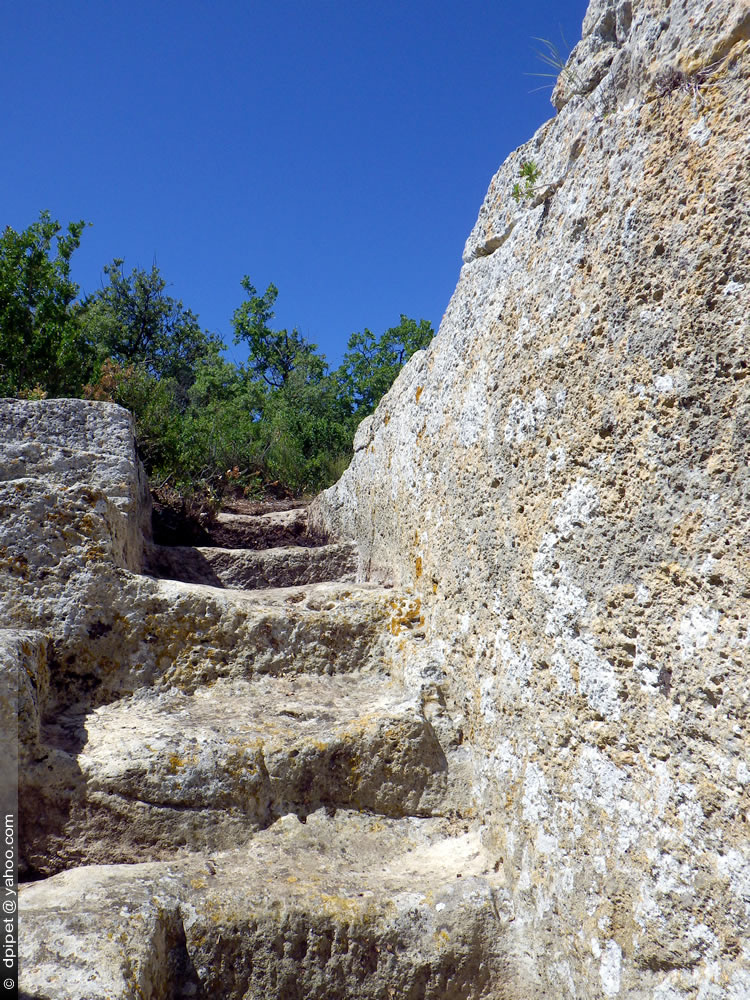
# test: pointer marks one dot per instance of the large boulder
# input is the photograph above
(87, 450)
(562, 478)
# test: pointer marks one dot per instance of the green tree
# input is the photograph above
(304, 423)
(133, 321)
(222, 427)
(41, 341)
(272, 354)
(371, 364)
(309, 427)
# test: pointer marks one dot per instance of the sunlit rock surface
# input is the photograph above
(562, 478)
(224, 791)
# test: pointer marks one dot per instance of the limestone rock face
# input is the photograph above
(512, 760)
(562, 479)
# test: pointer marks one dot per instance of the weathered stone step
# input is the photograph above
(247, 569)
(340, 908)
(279, 528)
(165, 633)
(164, 770)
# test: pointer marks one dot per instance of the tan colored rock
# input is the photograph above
(559, 490)
(161, 719)
(343, 907)
(585, 407)
(150, 645)
(162, 771)
(89, 449)
(115, 631)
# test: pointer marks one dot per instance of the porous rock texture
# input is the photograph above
(562, 479)
(223, 792)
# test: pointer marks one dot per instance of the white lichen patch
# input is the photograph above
(733, 287)
(576, 507)
(700, 133)
(473, 420)
(734, 865)
(567, 604)
(535, 800)
(566, 599)
(487, 700)
(664, 383)
(609, 969)
(696, 629)
(525, 418)
(561, 672)
(514, 667)
(597, 680)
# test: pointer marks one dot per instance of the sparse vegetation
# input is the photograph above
(529, 174)
(551, 56)
(670, 78)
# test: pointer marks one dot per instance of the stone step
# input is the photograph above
(341, 907)
(247, 569)
(165, 633)
(279, 528)
(162, 770)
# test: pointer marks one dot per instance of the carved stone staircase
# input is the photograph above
(266, 810)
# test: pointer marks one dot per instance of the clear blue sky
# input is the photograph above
(337, 148)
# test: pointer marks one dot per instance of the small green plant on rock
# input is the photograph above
(551, 56)
(529, 174)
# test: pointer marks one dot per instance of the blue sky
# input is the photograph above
(340, 150)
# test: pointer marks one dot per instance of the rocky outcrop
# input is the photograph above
(562, 479)
(223, 791)
(343, 906)
(88, 457)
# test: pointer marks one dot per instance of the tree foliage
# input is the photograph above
(41, 343)
(273, 355)
(133, 321)
(282, 418)
(371, 364)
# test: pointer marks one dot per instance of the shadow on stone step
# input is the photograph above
(191, 567)
(256, 533)
(180, 525)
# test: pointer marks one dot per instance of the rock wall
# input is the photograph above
(562, 478)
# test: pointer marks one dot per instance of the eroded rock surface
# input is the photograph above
(585, 407)
(224, 792)
(89, 456)
(249, 568)
(344, 906)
